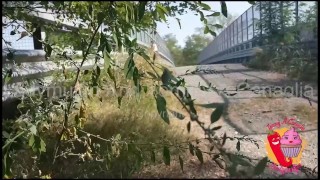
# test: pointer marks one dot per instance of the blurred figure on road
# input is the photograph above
(155, 50)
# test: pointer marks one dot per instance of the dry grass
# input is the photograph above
(137, 113)
(137, 120)
(281, 107)
(306, 112)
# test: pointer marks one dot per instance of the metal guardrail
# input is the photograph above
(31, 64)
(240, 38)
(24, 70)
(144, 38)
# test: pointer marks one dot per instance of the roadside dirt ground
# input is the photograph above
(246, 113)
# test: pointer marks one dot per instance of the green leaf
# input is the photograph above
(104, 45)
(239, 160)
(145, 89)
(224, 139)
(119, 101)
(216, 128)
(191, 149)
(252, 2)
(142, 8)
(187, 95)
(107, 59)
(129, 67)
(127, 41)
(7, 79)
(37, 144)
(33, 129)
(215, 157)
(217, 26)
(94, 90)
(180, 93)
(111, 75)
(31, 140)
(118, 137)
(177, 115)
(224, 8)
(179, 22)
(136, 78)
(181, 163)
(115, 38)
(10, 56)
(48, 49)
(206, 30)
(144, 55)
(215, 14)
(189, 126)
(152, 75)
(162, 110)
(42, 146)
(232, 170)
(211, 148)
(165, 78)
(180, 82)
(77, 120)
(100, 17)
(242, 86)
(166, 155)
(203, 88)
(212, 33)
(160, 12)
(216, 114)
(205, 6)
(153, 156)
(127, 14)
(163, 9)
(5, 134)
(98, 71)
(7, 162)
(199, 155)
(231, 94)
(202, 16)
(261, 166)
(57, 103)
(90, 9)
(8, 76)
(238, 145)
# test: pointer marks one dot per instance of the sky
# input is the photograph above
(189, 22)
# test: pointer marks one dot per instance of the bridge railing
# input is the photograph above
(243, 34)
(29, 63)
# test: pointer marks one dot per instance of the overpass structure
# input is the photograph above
(239, 40)
(29, 62)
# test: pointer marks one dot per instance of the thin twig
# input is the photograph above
(148, 144)
(12, 140)
(67, 111)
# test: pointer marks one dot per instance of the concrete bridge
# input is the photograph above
(239, 41)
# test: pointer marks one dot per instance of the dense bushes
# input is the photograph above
(295, 61)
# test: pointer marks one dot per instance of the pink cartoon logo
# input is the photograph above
(284, 145)
(291, 143)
